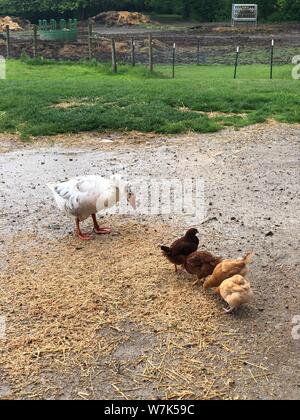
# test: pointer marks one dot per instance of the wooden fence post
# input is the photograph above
(133, 52)
(151, 53)
(113, 56)
(35, 36)
(7, 41)
(90, 35)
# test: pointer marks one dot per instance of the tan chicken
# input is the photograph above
(201, 263)
(227, 269)
(236, 291)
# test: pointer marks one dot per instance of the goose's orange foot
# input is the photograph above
(86, 236)
(81, 235)
(102, 231)
(98, 230)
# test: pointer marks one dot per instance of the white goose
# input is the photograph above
(85, 196)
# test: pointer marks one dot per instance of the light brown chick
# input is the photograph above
(201, 263)
(227, 269)
(236, 291)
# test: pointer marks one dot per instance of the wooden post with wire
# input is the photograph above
(174, 60)
(272, 59)
(236, 62)
(133, 52)
(151, 53)
(90, 38)
(35, 40)
(113, 56)
(8, 41)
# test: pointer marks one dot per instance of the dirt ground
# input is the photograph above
(110, 318)
(218, 43)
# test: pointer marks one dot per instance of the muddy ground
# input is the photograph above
(110, 318)
(218, 43)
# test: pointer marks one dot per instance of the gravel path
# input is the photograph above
(251, 182)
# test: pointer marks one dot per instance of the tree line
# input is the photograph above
(200, 10)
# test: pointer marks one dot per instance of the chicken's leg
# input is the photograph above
(81, 235)
(97, 229)
(199, 278)
(228, 311)
(176, 269)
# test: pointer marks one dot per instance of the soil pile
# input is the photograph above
(14, 24)
(113, 18)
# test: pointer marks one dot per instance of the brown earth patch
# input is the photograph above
(213, 114)
(121, 18)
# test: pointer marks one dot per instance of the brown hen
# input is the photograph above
(201, 263)
(181, 248)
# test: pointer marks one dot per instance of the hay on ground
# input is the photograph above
(113, 316)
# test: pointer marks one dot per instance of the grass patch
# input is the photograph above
(135, 99)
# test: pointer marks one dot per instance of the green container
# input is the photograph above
(62, 31)
(66, 35)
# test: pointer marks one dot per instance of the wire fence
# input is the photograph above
(193, 51)
(136, 49)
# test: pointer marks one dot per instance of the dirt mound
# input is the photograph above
(246, 28)
(68, 50)
(14, 23)
(225, 29)
(121, 18)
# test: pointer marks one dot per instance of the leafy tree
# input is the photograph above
(288, 9)
(266, 8)
(202, 10)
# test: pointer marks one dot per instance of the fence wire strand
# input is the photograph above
(212, 49)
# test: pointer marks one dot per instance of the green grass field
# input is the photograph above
(136, 100)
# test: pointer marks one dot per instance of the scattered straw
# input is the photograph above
(112, 318)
